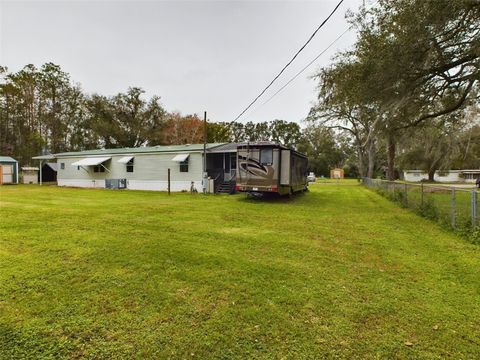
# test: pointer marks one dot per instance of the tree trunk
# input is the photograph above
(391, 158)
(432, 169)
(371, 159)
(361, 167)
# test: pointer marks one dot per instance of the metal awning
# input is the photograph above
(125, 159)
(91, 161)
(180, 157)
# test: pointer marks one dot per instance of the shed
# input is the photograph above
(337, 173)
(8, 170)
(29, 175)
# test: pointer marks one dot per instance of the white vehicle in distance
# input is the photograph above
(311, 177)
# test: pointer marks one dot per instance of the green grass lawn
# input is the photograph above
(339, 272)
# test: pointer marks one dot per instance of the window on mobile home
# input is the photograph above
(266, 156)
(184, 166)
(130, 165)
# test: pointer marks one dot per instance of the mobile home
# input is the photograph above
(146, 168)
(465, 175)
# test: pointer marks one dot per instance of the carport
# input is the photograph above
(41, 159)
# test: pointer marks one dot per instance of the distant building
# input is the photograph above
(8, 170)
(468, 176)
(29, 175)
(337, 173)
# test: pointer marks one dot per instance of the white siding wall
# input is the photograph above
(448, 176)
(414, 176)
(150, 172)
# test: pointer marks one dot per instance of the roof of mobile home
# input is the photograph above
(137, 150)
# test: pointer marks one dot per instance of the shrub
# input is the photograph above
(428, 209)
(475, 236)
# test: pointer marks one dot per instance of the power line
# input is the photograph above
(307, 66)
(291, 60)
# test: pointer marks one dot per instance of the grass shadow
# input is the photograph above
(273, 198)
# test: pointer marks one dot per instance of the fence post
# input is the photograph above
(454, 208)
(168, 181)
(406, 195)
(474, 208)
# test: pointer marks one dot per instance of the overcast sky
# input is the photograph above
(197, 55)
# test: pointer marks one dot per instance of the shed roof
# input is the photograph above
(7, 159)
(139, 150)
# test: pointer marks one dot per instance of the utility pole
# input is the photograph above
(205, 178)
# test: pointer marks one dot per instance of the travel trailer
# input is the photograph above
(264, 168)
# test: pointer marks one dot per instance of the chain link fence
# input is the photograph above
(452, 206)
